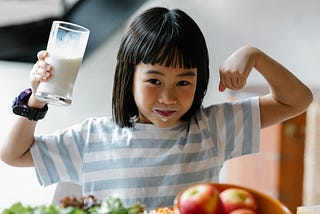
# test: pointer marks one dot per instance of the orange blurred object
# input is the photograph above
(163, 210)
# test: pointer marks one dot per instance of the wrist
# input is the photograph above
(21, 106)
(33, 102)
(254, 55)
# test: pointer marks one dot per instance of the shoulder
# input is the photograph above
(94, 124)
(96, 121)
(229, 111)
(252, 102)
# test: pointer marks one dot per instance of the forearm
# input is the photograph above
(16, 150)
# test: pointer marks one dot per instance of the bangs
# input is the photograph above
(168, 41)
(171, 56)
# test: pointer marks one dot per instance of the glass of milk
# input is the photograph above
(66, 47)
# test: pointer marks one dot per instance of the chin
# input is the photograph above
(162, 123)
(166, 124)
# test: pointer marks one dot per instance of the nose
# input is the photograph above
(168, 96)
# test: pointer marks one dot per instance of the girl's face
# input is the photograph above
(163, 94)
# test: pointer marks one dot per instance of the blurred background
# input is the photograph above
(288, 30)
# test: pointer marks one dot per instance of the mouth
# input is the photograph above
(165, 114)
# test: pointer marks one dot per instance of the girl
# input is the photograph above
(160, 138)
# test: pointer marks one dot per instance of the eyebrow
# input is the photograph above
(183, 74)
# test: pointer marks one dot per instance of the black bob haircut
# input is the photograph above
(158, 36)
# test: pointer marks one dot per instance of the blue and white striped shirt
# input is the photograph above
(148, 164)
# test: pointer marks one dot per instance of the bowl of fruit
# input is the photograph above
(214, 198)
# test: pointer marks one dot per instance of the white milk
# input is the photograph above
(59, 87)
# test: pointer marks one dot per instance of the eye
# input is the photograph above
(182, 83)
(154, 81)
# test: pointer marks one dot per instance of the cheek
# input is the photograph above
(144, 94)
(186, 98)
(147, 91)
(188, 94)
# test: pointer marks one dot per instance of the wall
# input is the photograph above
(288, 30)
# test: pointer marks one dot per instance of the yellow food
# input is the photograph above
(163, 210)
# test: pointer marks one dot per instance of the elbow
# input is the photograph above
(9, 159)
(3, 157)
(304, 101)
(308, 98)
(6, 158)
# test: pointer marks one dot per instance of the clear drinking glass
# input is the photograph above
(66, 47)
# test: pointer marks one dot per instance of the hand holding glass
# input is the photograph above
(66, 47)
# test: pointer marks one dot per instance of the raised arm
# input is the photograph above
(16, 150)
(288, 96)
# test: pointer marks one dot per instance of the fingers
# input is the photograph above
(41, 70)
(222, 87)
(231, 80)
(42, 54)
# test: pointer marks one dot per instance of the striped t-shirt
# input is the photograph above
(148, 164)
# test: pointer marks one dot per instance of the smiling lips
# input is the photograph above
(165, 115)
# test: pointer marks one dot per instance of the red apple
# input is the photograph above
(235, 198)
(199, 199)
(243, 211)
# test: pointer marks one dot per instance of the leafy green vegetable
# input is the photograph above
(109, 205)
(18, 208)
(114, 206)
